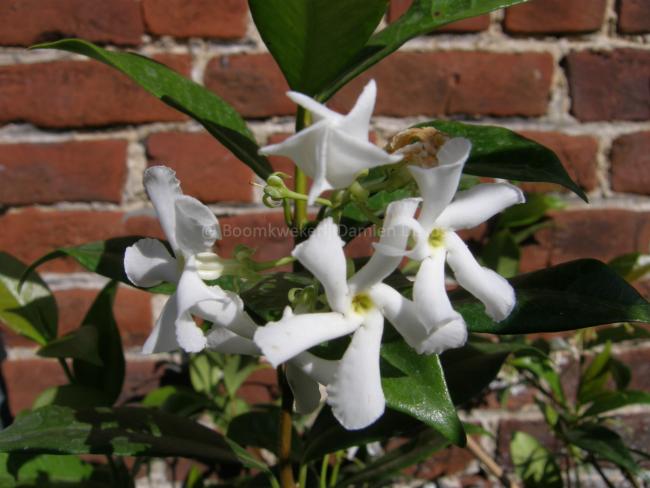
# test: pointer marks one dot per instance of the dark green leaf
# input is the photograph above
(569, 296)
(217, 116)
(501, 253)
(125, 431)
(108, 377)
(534, 464)
(176, 400)
(81, 343)
(612, 400)
(30, 312)
(268, 298)
(543, 369)
(314, 41)
(415, 384)
(259, 428)
(74, 396)
(423, 17)
(501, 153)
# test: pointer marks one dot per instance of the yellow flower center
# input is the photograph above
(209, 265)
(437, 238)
(362, 303)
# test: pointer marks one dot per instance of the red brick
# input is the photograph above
(265, 232)
(252, 83)
(473, 24)
(442, 463)
(450, 82)
(224, 19)
(26, 22)
(610, 85)
(80, 93)
(31, 233)
(633, 16)
(602, 234)
(260, 387)
(207, 170)
(69, 171)
(555, 17)
(630, 163)
(577, 153)
(132, 313)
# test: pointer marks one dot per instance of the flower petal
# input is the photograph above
(474, 206)
(163, 335)
(490, 288)
(450, 336)
(401, 312)
(395, 236)
(322, 254)
(306, 392)
(319, 369)
(192, 291)
(357, 122)
(438, 184)
(226, 341)
(189, 336)
(355, 395)
(196, 226)
(148, 263)
(318, 110)
(430, 295)
(163, 188)
(226, 309)
(280, 341)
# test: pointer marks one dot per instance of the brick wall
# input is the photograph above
(75, 136)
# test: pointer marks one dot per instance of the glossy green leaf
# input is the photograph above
(259, 428)
(30, 312)
(218, 117)
(423, 17)
(534, 464)
(47, 470)
(501, 153)
(81, 343)
(313, 41)
(415, 384)
(126, 431)
(612, 400)
(268, 298)
(569, 296)
(108, 377)
(75, 396)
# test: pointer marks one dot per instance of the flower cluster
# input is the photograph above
(333, 152)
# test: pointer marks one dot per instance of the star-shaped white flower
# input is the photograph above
(359, 306)
(437, 242)
(191, 229)
(335, 148)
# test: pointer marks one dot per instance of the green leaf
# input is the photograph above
(217, 116)
(268, 298)
(633, 267)
(501, 153)
(259, 428)
(81, 343)
(617, 333)
(45, 470)
(529, 212)
(125, 431)
(108, 377)
(604, 444)
(534, 464)
(415, 384)
(30, 312)
(423, 17)
(569, 296)
(176, 400)
(593, 379)
(543, 369)
(501, 253)
(75, 396)
(612, 400)
(314, 41)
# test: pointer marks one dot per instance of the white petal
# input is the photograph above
(355, 395)
(280, 341)
(489, 287)
(196, 226)
(429, 294)
(395, 236)
(226, 341)
(357, 122)
(450, 336)
(189, 336)
(319, 369)
(163, 188)
(400, 312)
(322, 254)
(163, 335)
(226, 310)
(191, 289)
(148, 263)
(319, 110)
(474, 206)
(439, 184)
(306, 391)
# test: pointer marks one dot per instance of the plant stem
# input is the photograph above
(66, 370)
(489, 463)
(303, 119)
(285, 427)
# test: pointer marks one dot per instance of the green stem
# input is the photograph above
(285, 426)
(66, 370)
(264, 265)
(303, 119)
(323, 471)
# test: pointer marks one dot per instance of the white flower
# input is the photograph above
(335, 148)
(359, 306)
(437, 243)
(191, 229)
